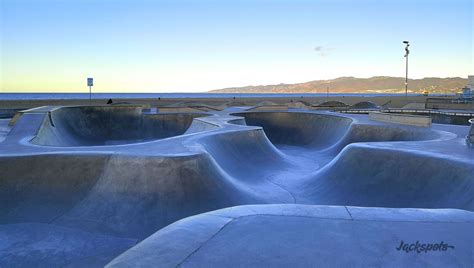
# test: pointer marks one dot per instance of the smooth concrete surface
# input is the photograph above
(46, 245)
(310, 236)
(109, 125)
(95, 185)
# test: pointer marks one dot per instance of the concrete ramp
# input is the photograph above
(299, 129)
(107, 125)
(41, 188)
(323, 131)
(363, 175)
(125, 196)
(162, 191)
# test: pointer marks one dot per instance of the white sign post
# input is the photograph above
(90, 83)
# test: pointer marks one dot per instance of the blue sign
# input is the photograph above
(90, 82)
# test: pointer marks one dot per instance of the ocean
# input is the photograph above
(60, 96)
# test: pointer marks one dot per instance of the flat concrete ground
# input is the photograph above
(304, 236)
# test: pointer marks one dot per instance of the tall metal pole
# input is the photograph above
(90, 94)
(406, 78)
(407, 51)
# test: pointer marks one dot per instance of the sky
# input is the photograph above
(193, 46)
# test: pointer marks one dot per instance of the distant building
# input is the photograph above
(468, 91)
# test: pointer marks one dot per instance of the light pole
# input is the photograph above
(406, 69)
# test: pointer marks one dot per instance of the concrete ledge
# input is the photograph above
(412, 120)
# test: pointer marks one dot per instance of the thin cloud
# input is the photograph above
(323, 51)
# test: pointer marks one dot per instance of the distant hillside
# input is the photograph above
(376, 84)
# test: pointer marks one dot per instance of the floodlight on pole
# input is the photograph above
(407, 51)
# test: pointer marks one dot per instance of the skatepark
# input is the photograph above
(119, 186)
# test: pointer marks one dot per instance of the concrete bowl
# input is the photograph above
(109, 125)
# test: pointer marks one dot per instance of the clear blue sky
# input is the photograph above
(172, 46)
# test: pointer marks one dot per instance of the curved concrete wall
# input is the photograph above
(93, 126)
(363, 175)
(242, 154)
(40, 188)
(322, 131)
(299, 129)
(123, 195)
(378, 133)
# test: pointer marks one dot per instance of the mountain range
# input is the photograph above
(376, 84)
